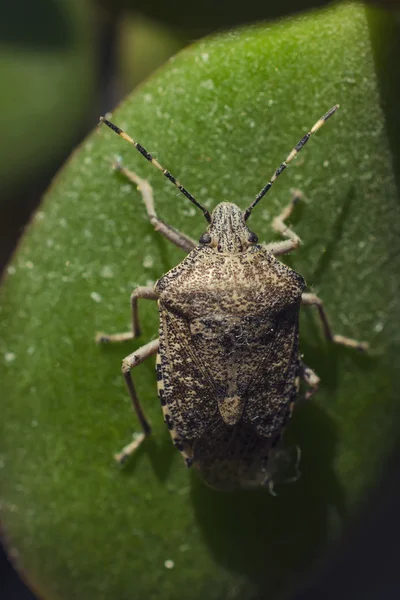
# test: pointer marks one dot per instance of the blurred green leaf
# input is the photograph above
(221, 116)
(46, 74)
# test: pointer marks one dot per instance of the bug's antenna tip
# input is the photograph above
(101, 119)
(330, 112)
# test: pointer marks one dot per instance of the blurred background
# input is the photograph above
(63, 63)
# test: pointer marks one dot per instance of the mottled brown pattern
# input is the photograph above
(229, 357)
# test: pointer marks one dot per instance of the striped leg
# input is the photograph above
(131, 361)
(140, 292)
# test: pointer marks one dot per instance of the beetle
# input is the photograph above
(227, 359)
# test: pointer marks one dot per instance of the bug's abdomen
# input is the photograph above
(236, 457)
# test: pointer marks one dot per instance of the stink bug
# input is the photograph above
(228, 363)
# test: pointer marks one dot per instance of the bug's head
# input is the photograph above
(227, 231)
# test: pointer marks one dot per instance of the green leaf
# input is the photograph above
(221, 116)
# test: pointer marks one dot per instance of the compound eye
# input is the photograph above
(253, 238)
(205, 238)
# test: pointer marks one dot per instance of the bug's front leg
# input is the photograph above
(176, 237)
(313, 300)
(131, 361)
(147, 293)
(279, 225)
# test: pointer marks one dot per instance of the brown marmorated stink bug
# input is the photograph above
(228, 362)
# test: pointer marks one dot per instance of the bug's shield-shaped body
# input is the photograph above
(229, 360)
(228, 363)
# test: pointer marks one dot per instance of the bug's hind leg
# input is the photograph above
(313, 300)
(279, 225)
(297, 474)
(176, 237)
(311, 379)
(140, 292)
(282, 460)
(131, 361)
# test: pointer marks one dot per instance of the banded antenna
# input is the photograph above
(290, 157)
(155, 162)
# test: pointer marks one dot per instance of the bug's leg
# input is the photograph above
(279, 225)
(141, 292)
(283, 460)
(313, 300)
(297, 474)
(271, 488)
(176, 237)
(310, 378)
(131, 361)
